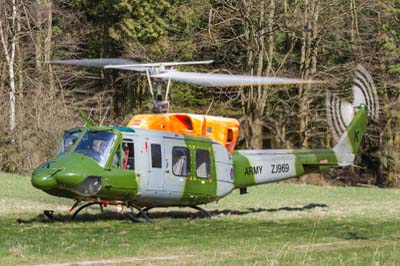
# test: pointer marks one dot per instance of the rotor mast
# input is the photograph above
(159, 105)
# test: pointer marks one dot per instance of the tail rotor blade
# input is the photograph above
(364, 92)
(341, 112)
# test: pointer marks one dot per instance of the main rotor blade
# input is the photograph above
(124, 64)
(157, 64)
(99, 62)
(225, 80)
(204, 79)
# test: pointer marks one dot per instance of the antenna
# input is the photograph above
(85, 118)
(105, 115)
(208, 110)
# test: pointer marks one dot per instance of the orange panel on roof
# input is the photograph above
(221, 129)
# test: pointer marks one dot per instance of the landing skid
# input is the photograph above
(144, 212)
(140, 213)
(83, 207)
(137, 214)
(50, 215)
(130, 215)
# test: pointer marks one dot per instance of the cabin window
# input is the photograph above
(128, 154)
(180, 161)
(203, 163)
(156, 155)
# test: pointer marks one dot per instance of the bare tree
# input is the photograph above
(8, 37)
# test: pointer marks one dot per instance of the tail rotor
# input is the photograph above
(341, 112)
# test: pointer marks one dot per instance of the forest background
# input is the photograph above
(294, 38)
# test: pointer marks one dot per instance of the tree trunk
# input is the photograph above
(271, 43)
(308, 65)
(9, 47)
(48, 43)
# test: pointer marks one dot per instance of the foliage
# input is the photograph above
(307, 38)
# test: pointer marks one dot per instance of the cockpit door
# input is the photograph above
(156, 167)
(120, 176)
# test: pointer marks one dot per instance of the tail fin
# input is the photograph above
(349, 142)
(348, 126)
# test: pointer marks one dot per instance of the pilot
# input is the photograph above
(68, 144)
(96, 146)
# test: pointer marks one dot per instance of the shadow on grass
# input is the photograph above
(306, 207)
(258, 210)
(355, 236)
(85, 217)
(109, 215)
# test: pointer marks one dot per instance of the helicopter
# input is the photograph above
(166, 159)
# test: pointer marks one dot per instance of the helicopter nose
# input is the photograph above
(43, 178)
(69, 172)
(68, 178)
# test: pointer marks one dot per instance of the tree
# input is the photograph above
(8, 37)
(388, 37)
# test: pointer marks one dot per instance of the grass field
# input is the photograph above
(276, 224)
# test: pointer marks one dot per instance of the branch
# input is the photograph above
(3, 42)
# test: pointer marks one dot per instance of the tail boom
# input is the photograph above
(253, 167)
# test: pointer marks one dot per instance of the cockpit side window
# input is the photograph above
(68, 140)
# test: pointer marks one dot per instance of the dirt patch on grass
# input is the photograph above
(349, 244)
(118, 261)
(28, 206)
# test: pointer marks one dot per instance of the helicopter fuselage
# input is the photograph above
(151, 168)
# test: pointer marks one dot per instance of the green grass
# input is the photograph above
(276, 224)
